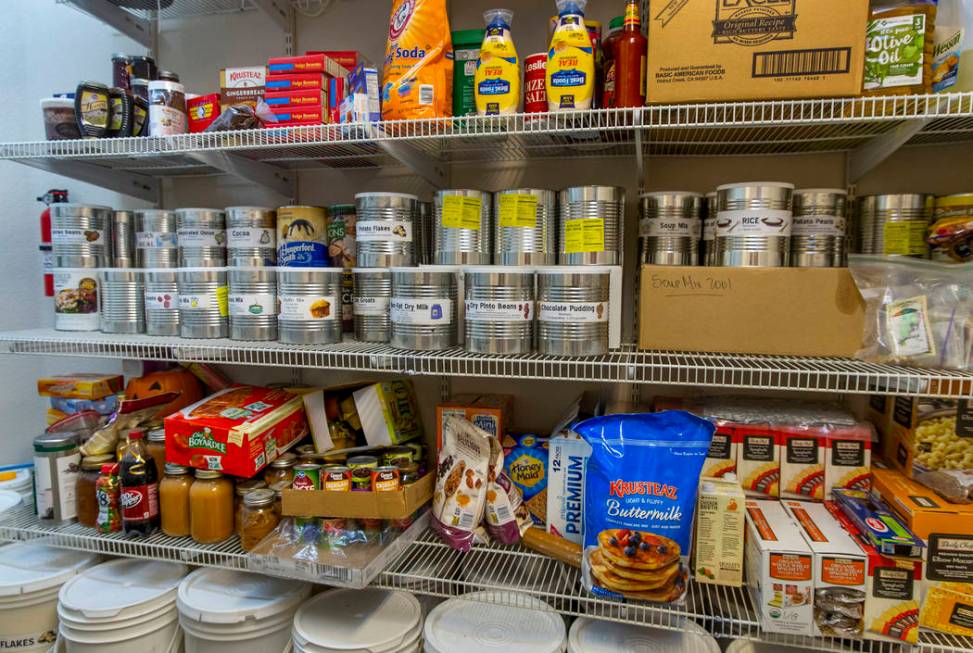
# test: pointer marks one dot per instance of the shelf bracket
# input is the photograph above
(867, 157)
(279, 180)
(419, 162)
(639, 154)
(277, 10)
(137, 29)
(136, 185)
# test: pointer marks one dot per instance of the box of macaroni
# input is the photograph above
(947, 588)
(928, 434)
(921, 509)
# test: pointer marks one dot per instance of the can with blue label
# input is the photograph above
(302, 237)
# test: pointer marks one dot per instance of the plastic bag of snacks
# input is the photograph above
(417, 80)
(462, 477)
(917, 312)
(506, 513)
(640, 498)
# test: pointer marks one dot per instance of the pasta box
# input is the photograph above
(848, 459)
(924, 434)
(879, 527)
(947, 587)
(922, 510)
(237, 431)
(722, 456)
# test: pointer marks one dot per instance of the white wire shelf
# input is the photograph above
(769, 127)
(628, 365)
(180, 8)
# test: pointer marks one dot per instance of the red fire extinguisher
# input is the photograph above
(52, 196)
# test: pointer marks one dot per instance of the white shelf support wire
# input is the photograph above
(136, 28)
(133, 184)
(271, 177)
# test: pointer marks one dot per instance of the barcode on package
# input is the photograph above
(466, 520)
(426, 94)
(826, 61)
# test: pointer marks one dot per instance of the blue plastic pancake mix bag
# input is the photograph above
(640, 498)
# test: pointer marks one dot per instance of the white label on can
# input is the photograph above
(308, 308)
(204, 301)
(665, 227)
(389, 231)
(573, 312)
(74, 236)
(253, 304)
(491, 311)
(433, 311)
(239, 237)
(200, 237)
(753, 222)
(41, 641)
(709, 230)
(161, 301)
(818, 225)
(75, 300)
(55, 480)
(371, 306)
(156, 240)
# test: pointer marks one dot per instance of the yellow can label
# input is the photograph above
(584, 236)
(905, 238)
(517, 211)
(222, 300)
(461, 212)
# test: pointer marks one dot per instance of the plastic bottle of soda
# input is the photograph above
(140, 488)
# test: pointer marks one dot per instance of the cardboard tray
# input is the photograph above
(359, 505)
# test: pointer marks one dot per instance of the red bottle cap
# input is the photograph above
(136, 435)
(109, 468)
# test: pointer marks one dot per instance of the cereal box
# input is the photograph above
(758, 461)
(80, 386)
(718, 553)
(848, 459)
(840, 567)
(801, 463)
(722, 456)
(780, 570)
(389, 413)
(947, 588)
(566, 459)
(237, 431)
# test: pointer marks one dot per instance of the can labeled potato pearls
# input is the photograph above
(423, 308)
(463, 227)
(526, 226)
(820, 231)
(573, 310)
(252, 303)
(373, 290)
(122, 300)
(499, 310)
(76, 306)
(385, 229)
(590, 222)
(202, 238)
(79, 235)
(302, 237)
(753, 224)
(670, 228)
(251, 236)
(203, 309)
(161, 302)
(156, 239)
(310, 305)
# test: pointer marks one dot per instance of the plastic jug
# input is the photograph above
(570, 60)
(497, 80)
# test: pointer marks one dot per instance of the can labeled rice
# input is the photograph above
(423, 308)
(754, 224)
(302, 237)
(573, 310)
(76, 305)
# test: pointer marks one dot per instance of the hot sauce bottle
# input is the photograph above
(630, 54)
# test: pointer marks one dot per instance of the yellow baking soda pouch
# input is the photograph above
(570, 60)
(497, 79)
(417, 80)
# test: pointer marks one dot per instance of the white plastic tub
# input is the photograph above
(22, 484)
(369, 620)
(31, 576)
(596, 636)
(223, 611)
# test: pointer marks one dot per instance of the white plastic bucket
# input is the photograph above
(224, 611)
(122, 606)
(373, 620)
(31, 576)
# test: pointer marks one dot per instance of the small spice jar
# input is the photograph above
(282, 469)
(84, 492)
(174, 500)
(210, 507)
(242, 488)
(155, 443)
(259, 517)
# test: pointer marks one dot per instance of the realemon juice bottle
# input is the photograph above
(570, 60)
(497, 81)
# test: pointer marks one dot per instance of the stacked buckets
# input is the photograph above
(343, 620)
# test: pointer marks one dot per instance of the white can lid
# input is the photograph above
(491, 622)
(596, 636)
(358, 619)
(132, 586)
(224, 596)
(405, 195)
(772, 184)
(26, 567)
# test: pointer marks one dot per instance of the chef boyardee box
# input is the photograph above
(780, 570)
(755, 49)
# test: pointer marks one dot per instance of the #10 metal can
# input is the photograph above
(302, 237)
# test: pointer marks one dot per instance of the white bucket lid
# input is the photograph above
(26, 567)
(370, 619)
(9, 500)
(20, 482)
(596, 636)
(750, 646)
(475, 623)
(122, 588)
(223, 596)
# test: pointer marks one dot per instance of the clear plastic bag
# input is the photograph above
(917, 312)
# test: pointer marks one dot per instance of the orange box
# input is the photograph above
(922, 510)
(492, 413)
(80, 386)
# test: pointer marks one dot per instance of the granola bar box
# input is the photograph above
(237, 431)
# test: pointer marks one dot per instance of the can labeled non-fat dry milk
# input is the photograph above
(423, 308)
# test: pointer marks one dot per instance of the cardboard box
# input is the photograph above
(780, 570)
(360, 505)
(840, 566)
(280, 83)
(389, 413)
(80, 386)
(242, 85)
(202, 110)
(296, 99)
(921, 509)
(723, 451)
(879, 527)
(720, 521)
(791, 311)
(308, 63)
(801, 463)
(758, 460)
(237, 431)
(311, 114)
(347, 59)
(702, 50)
(928, 434)
(947, 587)
(492, 413)
(848, 459)
(567, 456)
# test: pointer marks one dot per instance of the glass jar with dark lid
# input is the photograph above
(140, 67)
(168, 75)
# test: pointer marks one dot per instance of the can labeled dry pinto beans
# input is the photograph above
(336, 478)
(385, 479)
(307, 476)
(535, 88)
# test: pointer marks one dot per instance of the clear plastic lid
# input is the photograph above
(571, 7)
(498, 17)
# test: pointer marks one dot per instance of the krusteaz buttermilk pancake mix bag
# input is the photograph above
(640, 498)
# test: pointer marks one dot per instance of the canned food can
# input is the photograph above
(122, 301)
(670, 228)
(251, 236)
(384, 230)
(393, 455)
(424, 234)
(754, 224)
(590, 223)
(362, 462)
(463, 227)
(307, 476)
(423, 308)
(525, 226)
(337, 478)
(123, 239)
(499, 310)
(535, 83)
(302, 237)
(309, 305)
(418, 451)
(896, 225)
(707, 253)
(202, 238)
(385, 479)
(819, 234)
(252, 303)
(342, 219)
(361, 480)
(76, 306)
(156, 239)
(373, 290)
(167, 108)
(573, 310)
(951, 211)
(80, 236)
(408, 473)
(203, 309)
(161, 303)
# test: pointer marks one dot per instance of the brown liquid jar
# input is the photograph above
(259, 517)
(174, 500)
(87, 500)
(281, 469)
(155, 442)
(210, 507)
(242, 488)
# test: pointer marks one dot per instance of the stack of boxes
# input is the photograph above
(296, 88)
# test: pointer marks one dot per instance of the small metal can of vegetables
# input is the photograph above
(385, 479)
(395, 454)
(307, 476)
(361, 480)
(368, 462)
(337, 478)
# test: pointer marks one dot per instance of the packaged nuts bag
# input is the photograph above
(462, 472)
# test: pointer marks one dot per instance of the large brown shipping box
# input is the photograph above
(789, 311)
(701, 50)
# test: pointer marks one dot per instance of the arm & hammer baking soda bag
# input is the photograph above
(417, 79)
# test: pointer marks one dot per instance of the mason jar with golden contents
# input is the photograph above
(242, 488)
(259, 517)
(282, 469)
(84, 492)
(174, 500)
(155, 443)
(210, 507)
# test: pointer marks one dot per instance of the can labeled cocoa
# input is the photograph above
(535, 88)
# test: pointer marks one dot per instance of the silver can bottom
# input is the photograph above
(122, 326)
(220, 330)
(487, 345)
(421, 341)
(526, 258)
(300, 334)
(242, 329)
(753, 259)
(162, 328)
